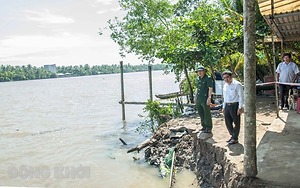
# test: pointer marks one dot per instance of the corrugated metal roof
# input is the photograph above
(286, 18)
(280, 6)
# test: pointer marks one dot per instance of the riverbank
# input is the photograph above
(215, 163)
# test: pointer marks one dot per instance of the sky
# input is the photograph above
(61, 32)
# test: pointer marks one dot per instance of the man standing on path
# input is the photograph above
(203, 99)
(233, 105)
(287, 73)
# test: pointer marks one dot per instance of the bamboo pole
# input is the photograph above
(150, 91)
(122, 91)
(172, 169)
(274, 59)
(275, 77)
(144, 103)
(150, 81)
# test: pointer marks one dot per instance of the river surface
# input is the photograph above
(65, 132)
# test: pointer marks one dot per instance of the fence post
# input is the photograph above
(122, 91)
(150, 81)
(274, 59)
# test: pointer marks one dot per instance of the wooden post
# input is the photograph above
(172, 169)
(281, 42)
(122, 91)
(250, 160)
(150, 81)
(275, 76)
(274, 59)
(150, 91)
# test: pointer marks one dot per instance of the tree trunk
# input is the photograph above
(250, 160)
(268, 58)
(189, 83)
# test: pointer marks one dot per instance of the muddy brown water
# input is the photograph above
(65, 132)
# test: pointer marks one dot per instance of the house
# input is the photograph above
(51, 68)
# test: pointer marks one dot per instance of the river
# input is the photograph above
(65, 132)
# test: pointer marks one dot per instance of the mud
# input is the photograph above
(214, 162)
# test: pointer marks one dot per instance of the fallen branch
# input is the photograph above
(124, 143)
(142, 145)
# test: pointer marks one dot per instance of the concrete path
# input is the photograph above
(279, 151)
(278, 144)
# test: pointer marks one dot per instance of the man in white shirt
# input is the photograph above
(233, 94)
(286, 73)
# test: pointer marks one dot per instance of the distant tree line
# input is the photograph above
(29, 72)
(84, 70)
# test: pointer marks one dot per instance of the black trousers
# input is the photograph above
(284, 95)
(230, 113)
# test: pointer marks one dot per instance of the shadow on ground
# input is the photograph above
(279, 151)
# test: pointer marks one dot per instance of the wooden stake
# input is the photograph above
(172, 168)
(150, 82)
(123, 142)
(122, 91)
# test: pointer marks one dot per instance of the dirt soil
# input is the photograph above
(176, 133)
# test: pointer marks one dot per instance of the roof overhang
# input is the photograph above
(285, 22)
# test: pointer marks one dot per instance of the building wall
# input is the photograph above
(51, 68)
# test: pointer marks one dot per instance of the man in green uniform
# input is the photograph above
(203, 99)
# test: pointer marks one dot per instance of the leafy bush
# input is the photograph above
(161, 113)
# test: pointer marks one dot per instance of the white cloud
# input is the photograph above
(101, 12)
(173, 1)
(75, 56)
(116, 9)
(105, 2)
(20, 45)
(46, 17)
(28, 42)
